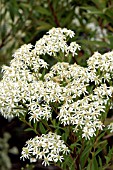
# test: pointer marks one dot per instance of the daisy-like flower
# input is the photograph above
(50, 149)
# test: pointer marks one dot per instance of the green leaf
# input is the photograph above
(100, 162)
(72, 166)
(13, 9)
(43, 26)
(85, 154)
(109, 156)
(109, 12)
(94, 164)
(107, 159)
(88, 167)
(99, 150)
(28, 129)
(67, 19)
(35, 125)
(42, 128)
(72, 146)
(100, 3)
(68, 163)
(64, 136)
(43, 10)
(54, 122)
(96, 43)
(101, 145)
(92, 10)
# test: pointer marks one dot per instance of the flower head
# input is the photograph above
(50, 148)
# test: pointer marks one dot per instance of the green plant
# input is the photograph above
(27, 21)
(65, 104)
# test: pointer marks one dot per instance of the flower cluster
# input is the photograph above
(102, 65)
(18, 81)
(49, 148)
(100, 33)
(22, 85)
(79, 95)
(85, 114)
(56, 41)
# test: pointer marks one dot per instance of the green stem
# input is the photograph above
(46, 125)
(23, 104)
(24, 121)
(95, 146)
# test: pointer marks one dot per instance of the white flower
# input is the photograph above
(26, 152)
(50, 148)
(55, 41)
(78, 96)
(73, 48)
(32, 160)
(110, 127)
(102, 64)
(88, 132)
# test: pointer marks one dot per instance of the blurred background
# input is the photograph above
(26, 21)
